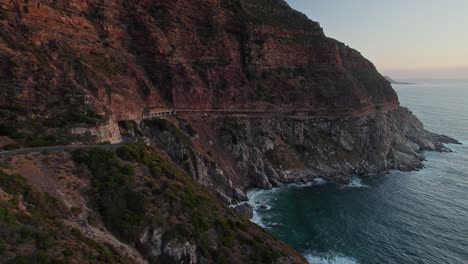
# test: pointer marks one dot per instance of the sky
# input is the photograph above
(403, 38)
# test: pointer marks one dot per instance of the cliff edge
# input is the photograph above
(223, 96)
(76, 61)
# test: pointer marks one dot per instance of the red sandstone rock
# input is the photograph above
(123, 56)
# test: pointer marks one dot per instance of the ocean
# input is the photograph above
(415, 217)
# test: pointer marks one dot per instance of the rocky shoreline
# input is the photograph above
(69, 66)
(234, 155)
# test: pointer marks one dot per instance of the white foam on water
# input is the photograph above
(315, 182)
(259, 200)
(320, 181)
(257, 219)
(329, 259)
(356, 182)
(238, 204)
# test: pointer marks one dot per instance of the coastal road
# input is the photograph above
(318, 113)
(125, 141)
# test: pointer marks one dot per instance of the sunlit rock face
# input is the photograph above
(118, 57)
(252, 55)
(72, 60)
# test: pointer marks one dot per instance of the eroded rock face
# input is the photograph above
(245, 54)
(72, 63)
(178, 144)
(104, 133)
(118, 57)
(274, 151)
(246, 153)
(156, 247)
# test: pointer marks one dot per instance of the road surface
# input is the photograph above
(125, 141)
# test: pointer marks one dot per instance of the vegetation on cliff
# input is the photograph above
(143, 199)
(69, 63)
(32, 229)
(140, 190)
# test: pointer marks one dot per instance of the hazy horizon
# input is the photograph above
(407, 40)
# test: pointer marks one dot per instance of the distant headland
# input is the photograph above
(396, 82)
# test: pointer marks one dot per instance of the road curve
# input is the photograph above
(125, 141)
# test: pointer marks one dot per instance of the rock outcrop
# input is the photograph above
(130, 205)
(234, 154)
(81, 65)
(104, 133)
(62, 59)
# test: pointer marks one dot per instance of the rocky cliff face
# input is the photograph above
(79, 66)
(243, 54)
(131, 205)
(114, 58)
(82, 64)
(234, 154)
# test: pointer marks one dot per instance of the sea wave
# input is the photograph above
(329, 258)
(257, 219)
(315, 182)
(257, 200)
(260, 199)
(356, 182)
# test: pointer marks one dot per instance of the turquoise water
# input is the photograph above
(416, 217)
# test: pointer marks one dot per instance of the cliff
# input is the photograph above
(263, 98)
(235, 154)
(395, 82)
(132, 205)
(76, 61)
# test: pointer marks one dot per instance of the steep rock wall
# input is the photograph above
(116, 58)
(233, 154)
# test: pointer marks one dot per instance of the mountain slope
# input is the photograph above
(126, 206)
(262, 98)
(114, 58)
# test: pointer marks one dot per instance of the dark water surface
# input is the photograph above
(417, 217)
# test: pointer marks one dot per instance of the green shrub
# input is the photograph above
(3, 14)
(3, 247)
(131, 152)
(36, 134)
(14, 184)
(234, 129)
(169, 201)
(3, 212)
(44, 235)
(11, 146)
(79, 114)
(43, 203)
(190, 130)
(263, 93)
(122, 208)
